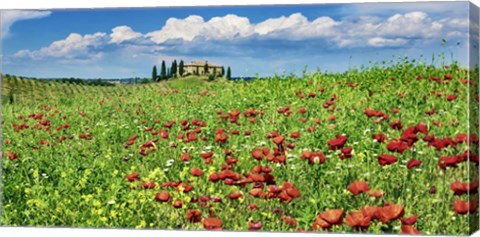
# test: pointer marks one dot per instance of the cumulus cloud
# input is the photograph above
(9, 17)
(217, 28)
(123, 33)
(193, 34)
(74, 47)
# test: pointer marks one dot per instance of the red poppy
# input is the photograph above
(193, 215)
(221, 138)
(257, 154)
(196, 172)
(451, 97)
(448, 161)
(410, 230)
(163, 197)
(212, 223)
(333, 217)
(235, 195)
(396, 145)
(464, 207)
(395, 110)
(185, 157)
(14, 156)
(254, 225)
(345, 153)
(278, 140)
(413, 163)
(290, 221)
(380, 137)
(371, 211)
(385, 159)
(148, 185)
(337, 143)
(133, 177)
(178, 204)
(320, 223)
(302, 110)
(295, 135)
(358, 187)
(390, 212)
(409, 221)
(396, 125)
(358, 220)
(257, 192)
(185, 188)
(252, 206)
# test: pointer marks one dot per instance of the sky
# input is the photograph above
(252, 40)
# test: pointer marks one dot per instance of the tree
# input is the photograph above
(223, 71)
(163, 72)
(154, 73)
(214, 72)
(173, 70)
(229, 73)
(169, 73)
(180, 68)
(205, 68)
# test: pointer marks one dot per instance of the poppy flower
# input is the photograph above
(257, 192)
(221, 138)
(133, 177)
(395, 110)
(196, 172)
(409, 221)
(257, 154)
(290, 221)
(448, 161)
(302, 110)
(278, 140)
(14, 156)
(410, 230)
(337, 143)
(254, 225)
(212, 223)
(451, 97)
(413, 163)
(358, 187)
(193, 215)
(333, 217)
(385, 159)
(345, 153)
(390, 212)
(253, 206)
(358, 220)
(397, 125)
(465, 207)
(185, 188)
(163, 197)
(380, 137)
(178, 204)
(371, 211)
(235, 195)
(295, 135)
(148, 185)
(320, 223)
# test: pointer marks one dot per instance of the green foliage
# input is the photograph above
(180, 68)
(154, 73)
(229, 73)
(82, 183)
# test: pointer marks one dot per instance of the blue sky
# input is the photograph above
(121, 43)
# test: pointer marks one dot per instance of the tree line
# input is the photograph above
(178, 70)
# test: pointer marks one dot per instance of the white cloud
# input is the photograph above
(9, 17)
(188, 29)
(382, 42)
(365, 31)
(74, 47)
(123, 33)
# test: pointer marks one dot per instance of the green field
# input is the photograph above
(87, 156)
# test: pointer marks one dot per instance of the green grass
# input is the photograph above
(82, 183)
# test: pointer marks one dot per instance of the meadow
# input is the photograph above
(389, 148)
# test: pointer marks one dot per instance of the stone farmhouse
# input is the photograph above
(198, 68)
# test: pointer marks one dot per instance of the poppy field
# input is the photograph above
(390, 148)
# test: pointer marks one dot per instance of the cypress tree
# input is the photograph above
(223, 71)
(205, 68)
(180, 68)
(229, 73)
(163, 72)
(173, 69)
(154, 73)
